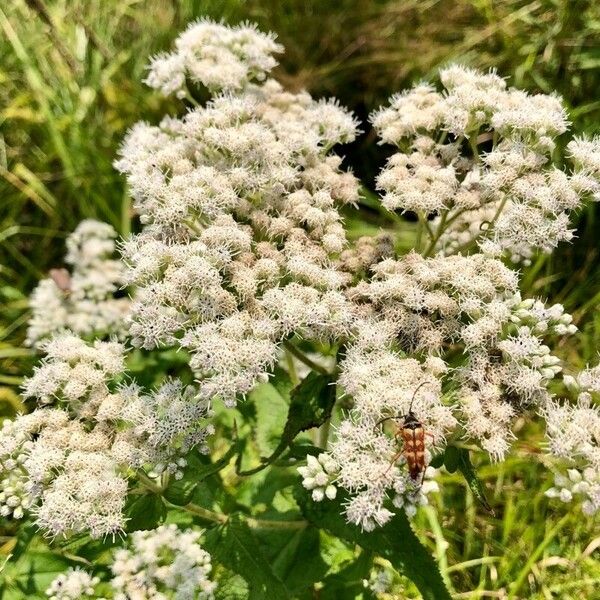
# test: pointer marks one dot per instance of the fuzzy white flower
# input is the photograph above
(510, 195)
(573, 433)
(159, 564)
(69, 465)
(163, 563)
(82, 301)
(240, 204)
(216, 56)
(72, 585)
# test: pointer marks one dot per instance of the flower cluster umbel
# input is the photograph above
(159, 564)
(82, 301)
(477, 157)
(68, 460)
(239, 201)
(243, 248)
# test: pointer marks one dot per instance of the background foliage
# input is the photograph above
(69, 89)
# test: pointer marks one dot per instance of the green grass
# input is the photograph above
(70, 87)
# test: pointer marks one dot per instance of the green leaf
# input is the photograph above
(25, 535)
(145, 512)
(235, 546)
(466, 468)
(437, 461)
(34, 572)
(311, 405)
(231, 587)
(181, 492)
(285, 550)
(451, 458)
(271, 411)
(395, 541)
(348, 582)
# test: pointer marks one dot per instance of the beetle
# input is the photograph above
(413, 435)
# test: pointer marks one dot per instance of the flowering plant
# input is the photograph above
(252, 317)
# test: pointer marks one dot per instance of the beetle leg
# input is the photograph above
(396, 457)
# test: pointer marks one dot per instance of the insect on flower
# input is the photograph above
(62, 279)
(413, 435)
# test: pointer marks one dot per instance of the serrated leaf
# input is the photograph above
(145, 512)
(285, 550)
(231, 587)
(310, 406)
(395, 541)
(84, 546)
(466, 468)
(235, 546)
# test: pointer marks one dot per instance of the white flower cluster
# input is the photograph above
(69, 462)
(216, 56)
(360, 458)
(413, 315)
(242, 231)
(72, 585)
(243, 246)
(477, 157)
(573, 433)
(82, 301)
(318, 475)
(161, 564)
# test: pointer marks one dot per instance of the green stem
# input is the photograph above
(304, 359)
(221, 518)
(438, 233)
(323, 434)
(217, 517)
(291, 368)
(473, 144)
(491, 224)
(189, 97)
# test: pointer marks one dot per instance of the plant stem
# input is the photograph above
(437, 235)
(291, 368)
(190, 98)
(323, 434)
(491, 224)
(303, 358)
(217, 517)
(148, 483)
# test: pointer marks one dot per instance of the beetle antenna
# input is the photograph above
(415, 393)
(386, 419)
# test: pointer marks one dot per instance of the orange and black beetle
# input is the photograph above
(413, 435)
